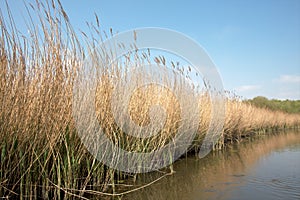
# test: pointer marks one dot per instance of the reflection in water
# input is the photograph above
(263, 168)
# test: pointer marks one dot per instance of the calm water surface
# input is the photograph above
(263, 168)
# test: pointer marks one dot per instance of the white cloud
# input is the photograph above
(245, 88)
(289, 79)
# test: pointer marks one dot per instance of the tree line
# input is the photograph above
(289, 106)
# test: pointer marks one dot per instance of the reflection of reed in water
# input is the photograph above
(215, 176)
(41, 153)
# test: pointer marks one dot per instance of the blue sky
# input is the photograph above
(254, 44)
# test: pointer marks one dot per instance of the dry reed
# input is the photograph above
(41, 154)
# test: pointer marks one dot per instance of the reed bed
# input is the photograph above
(218, 167)
(41, 154)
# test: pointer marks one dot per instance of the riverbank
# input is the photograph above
(42, 155)
(261, 167)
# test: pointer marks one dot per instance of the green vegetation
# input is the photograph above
(42, 156)
(289, 106)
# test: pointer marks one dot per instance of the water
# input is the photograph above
(263, 168)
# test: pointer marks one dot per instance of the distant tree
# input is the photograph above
(289, 106)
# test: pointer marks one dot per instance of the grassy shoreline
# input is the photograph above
(41, 154)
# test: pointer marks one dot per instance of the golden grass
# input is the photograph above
(41, 154)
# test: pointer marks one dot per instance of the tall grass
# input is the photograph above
(41, 153)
